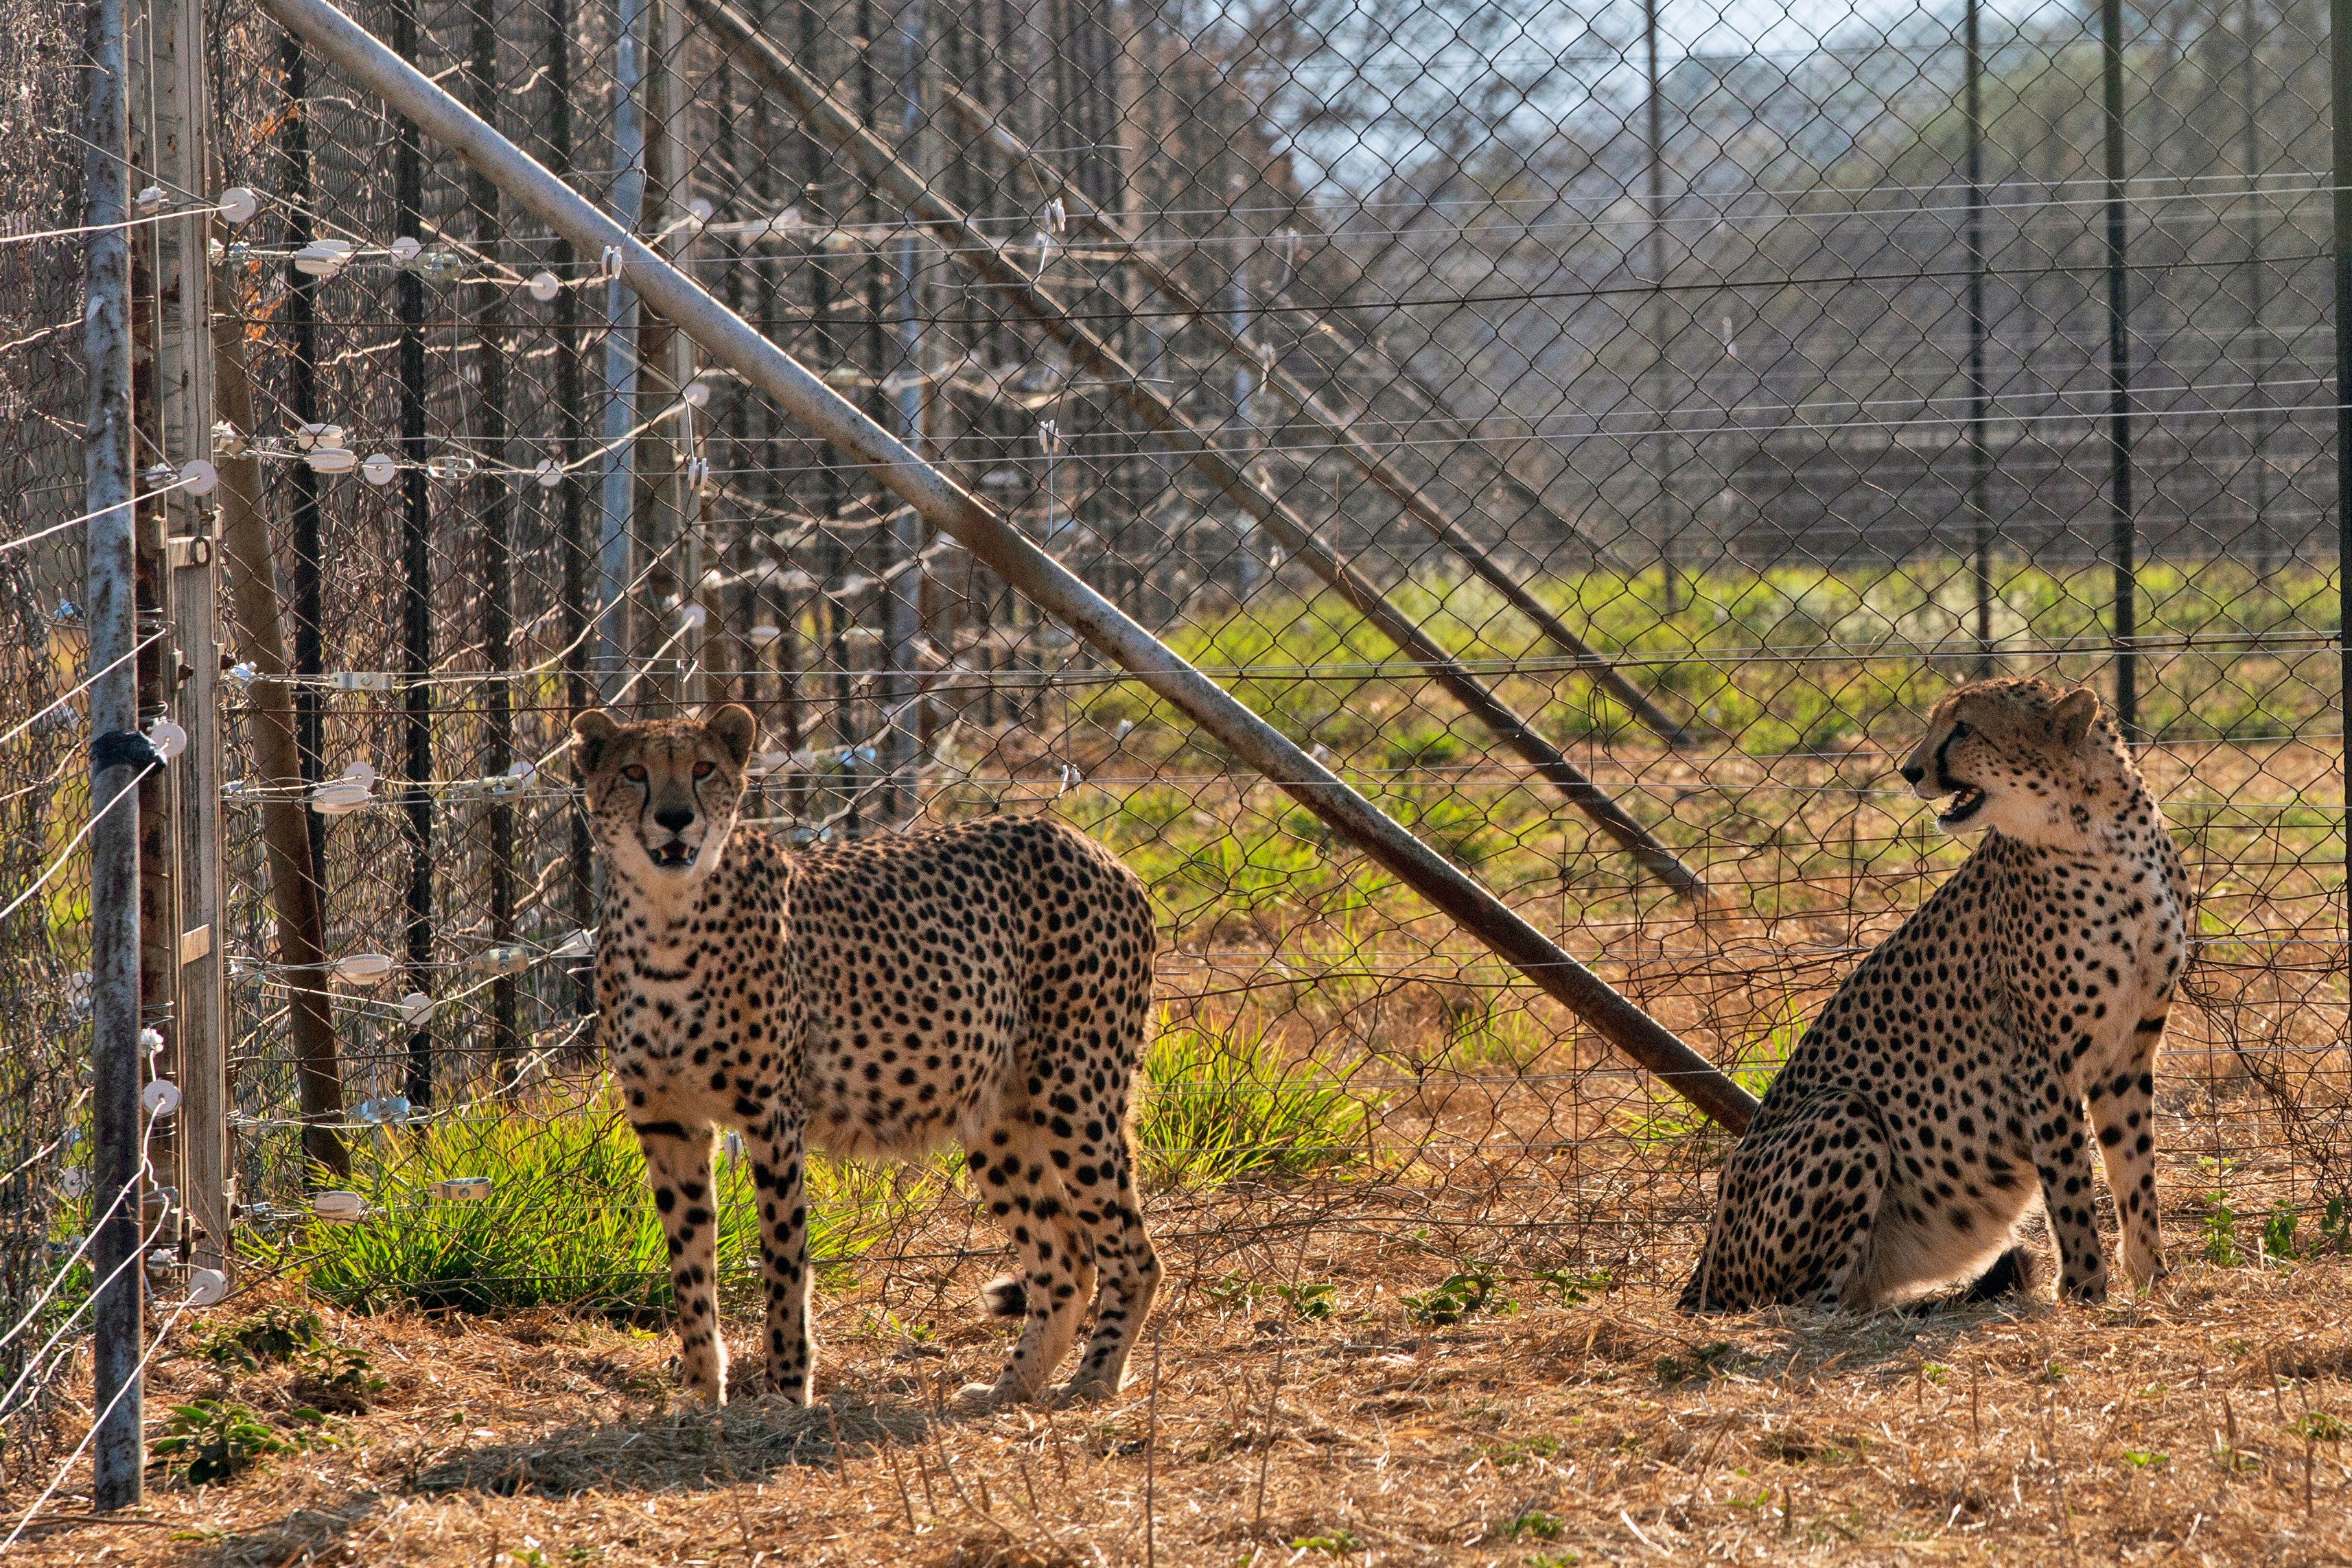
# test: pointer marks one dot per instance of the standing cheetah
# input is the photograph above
(1942, 1090)
(989, 982)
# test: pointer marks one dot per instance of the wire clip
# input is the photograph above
(120, 748)
(460, 1189)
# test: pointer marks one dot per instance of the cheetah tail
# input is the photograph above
(2015, 1272)
(1006, 1297)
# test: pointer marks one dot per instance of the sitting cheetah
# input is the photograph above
(989, 982)
(1943, 1087)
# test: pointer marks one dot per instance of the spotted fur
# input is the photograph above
(987, 983)
(1944, 1088)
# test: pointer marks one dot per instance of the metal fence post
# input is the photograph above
(2124, 541)
(2339, 98)
(117, 1455)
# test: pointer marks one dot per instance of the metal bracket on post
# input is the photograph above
(731, 342)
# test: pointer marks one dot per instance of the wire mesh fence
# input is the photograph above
(1597, 433)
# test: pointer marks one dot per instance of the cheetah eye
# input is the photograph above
(705, 769)
(635, 773)
(1959, 730)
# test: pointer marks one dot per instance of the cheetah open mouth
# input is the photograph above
(1965, 804)
(675, 855)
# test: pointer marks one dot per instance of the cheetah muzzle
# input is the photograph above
(1966, 1066)
(987, 985)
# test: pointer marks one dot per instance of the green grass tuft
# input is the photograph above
(1221, 1106)
(569, 1222)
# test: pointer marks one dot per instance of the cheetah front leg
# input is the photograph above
(2123, 1109)
(678, 1167)
(2051, 1117)
(779, 1156)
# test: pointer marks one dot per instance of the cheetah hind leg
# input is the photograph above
(1013, 1166)
(1110, 1209)
(1797, 1214)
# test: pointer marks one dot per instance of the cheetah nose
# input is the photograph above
(1913, 773)
(676, 819)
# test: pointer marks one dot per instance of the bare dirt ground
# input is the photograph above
(2202, 1424)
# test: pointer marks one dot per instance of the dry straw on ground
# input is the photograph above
(2200, 1424)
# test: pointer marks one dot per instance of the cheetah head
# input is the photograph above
(663, 794)
(2029, 758)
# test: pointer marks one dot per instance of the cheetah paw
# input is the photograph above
(984, 1396)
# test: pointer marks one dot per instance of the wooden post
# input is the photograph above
(180, 159)
(276, 752)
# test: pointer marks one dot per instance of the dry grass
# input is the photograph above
(2194, 1427)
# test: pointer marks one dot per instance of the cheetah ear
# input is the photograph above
(734, 728)
(592, 731)
(2072, 718)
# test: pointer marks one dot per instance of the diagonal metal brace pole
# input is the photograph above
(798, 392)
(831, 121)
(1336, 426)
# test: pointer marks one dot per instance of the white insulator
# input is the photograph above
(406, 249)
(700, 209)
(550, 472)
(242, 673)
(151, 1040)
(545, 285)
(238, 206)
(379, 468)
(448, 466)
(415, 1007)
(339, 1207)
(148, 200)
(198, 478)
(363, 969)
(766, 636)
(578, 944)
(697, 394)
(168, 738)
(315, 434)
(74, 1182)
(332, 460)
(160, 1097)
(692, 617)
(323, 258)
(385, 1110)
(228, 441)
(206, 1287)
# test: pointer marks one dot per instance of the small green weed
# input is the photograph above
(263, 1340)
(2320, 1427)
(2146, 1458)
(1532, 1524)
(2278, 1231)
(1549, 1560)
(1574, 1287)
(1459, 1296)
(211, 1441)
(1335, 1543)
(2219, 1230)
(1519, 1450)
(1311, 1299)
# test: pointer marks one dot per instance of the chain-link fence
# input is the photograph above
(1596, 433)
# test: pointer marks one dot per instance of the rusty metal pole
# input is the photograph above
(735, 343)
